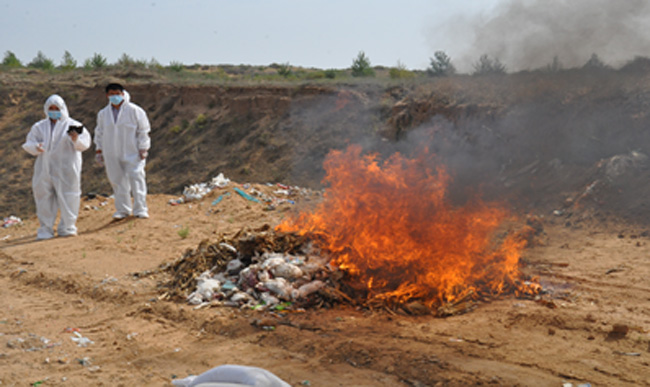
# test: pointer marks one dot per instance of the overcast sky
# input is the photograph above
(310, 33)
(328, 33)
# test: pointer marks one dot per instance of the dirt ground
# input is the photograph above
(594, 330)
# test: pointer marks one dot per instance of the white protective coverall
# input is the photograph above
(120, 141)
(57, 172)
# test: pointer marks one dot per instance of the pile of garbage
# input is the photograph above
(270, 195)
(258, 269)
(11, 221)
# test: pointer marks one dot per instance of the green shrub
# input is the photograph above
(41, 62)
(315, 75)
(200, 121)
(176, 129)
(440, 65)
(176, 66)
(125, 61)
(330, 73)
(10, 60)
(97, 61)
(400, 72)
(184, 232)
(153, 64)
(284, 69)
(488, 66)
(68, 62)
(361, 66)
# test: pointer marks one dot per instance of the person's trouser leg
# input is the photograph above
(69, 205)
(46, 208)
(119, 180)
(138, 182)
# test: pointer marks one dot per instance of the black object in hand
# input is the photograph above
(77, 128)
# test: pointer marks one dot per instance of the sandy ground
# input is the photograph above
(595, 329)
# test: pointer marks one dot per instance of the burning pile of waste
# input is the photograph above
(385, 236)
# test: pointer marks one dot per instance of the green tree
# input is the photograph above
(441, 65)
(96, 62)
(488, 66)
(361, 66)
(10, 60)
(68, 62)
(595, 63)
(125, 61)
(42, 62)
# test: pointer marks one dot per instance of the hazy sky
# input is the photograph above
(310, 33)
(523, 34)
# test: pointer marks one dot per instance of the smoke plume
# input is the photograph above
(528, 34)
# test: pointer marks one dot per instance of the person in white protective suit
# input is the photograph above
(122, 144)
(57, 142)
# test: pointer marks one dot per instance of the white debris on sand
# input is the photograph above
(270, 279)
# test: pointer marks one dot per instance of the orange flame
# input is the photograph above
(392, 228)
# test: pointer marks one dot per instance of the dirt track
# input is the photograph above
(597, 278)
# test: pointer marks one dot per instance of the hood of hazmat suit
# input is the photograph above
(57, 171)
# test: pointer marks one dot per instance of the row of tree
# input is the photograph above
(440, 65)
(97, 61)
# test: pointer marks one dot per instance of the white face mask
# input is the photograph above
(115, 99)
(54, 114)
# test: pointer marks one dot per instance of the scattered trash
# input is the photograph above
(198, 191)
(627, 353)
(220, 198)
(32, 343)
(233, 375)
(220, 181)
(11, 221)
(195, 192)
(205, 290)
(245, 195)
(615, 269)
(175, 202)
(4, 238)
(81, 340)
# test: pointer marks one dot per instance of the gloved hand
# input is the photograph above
(143, 154)
(99, 157)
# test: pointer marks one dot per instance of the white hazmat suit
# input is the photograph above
(120, 141)
(57, 172)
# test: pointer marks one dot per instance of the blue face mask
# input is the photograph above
(54, 114)
(115, 99)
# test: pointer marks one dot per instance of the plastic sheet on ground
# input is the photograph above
(232, 375)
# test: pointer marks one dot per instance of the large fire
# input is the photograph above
(392, 228)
